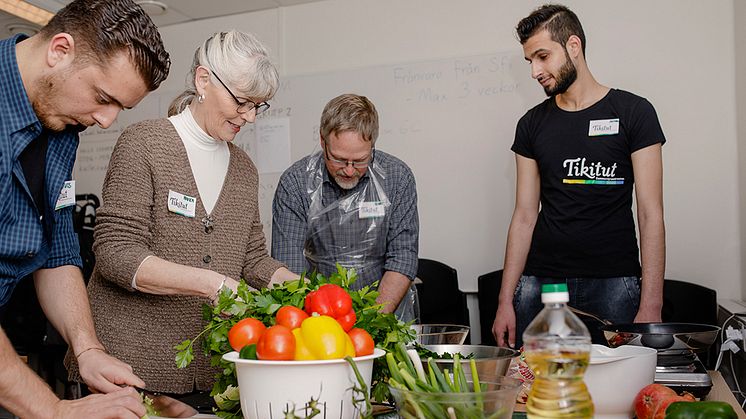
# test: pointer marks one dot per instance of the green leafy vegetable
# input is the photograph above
(149, 409)
(432, 388)
(426, 353)
(387, 331)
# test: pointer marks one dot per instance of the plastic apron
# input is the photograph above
(351, 229)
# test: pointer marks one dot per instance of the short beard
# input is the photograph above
(345, 183)
(46, 93)
(565, 78)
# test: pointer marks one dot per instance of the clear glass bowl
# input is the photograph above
(490, 360)
(438, 334)
(496, 400)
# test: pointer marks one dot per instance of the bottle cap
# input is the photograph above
(554, 293)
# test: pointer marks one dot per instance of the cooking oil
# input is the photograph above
(557, 347)
(558, 390)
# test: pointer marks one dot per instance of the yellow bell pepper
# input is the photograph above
(321, 337)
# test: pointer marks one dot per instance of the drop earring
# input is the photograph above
(201, 98)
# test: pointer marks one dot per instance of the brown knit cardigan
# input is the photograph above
(141, 329)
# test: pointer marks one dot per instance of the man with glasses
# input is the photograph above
(350, 204)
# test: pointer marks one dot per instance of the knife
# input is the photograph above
(167, 406)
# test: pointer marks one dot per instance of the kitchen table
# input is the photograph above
(720, 391)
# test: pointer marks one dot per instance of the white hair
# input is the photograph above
(240, 60)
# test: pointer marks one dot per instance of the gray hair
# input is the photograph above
(240, 60)
(350, 112)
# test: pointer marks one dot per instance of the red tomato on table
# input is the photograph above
(245, 332)
(276, 344)
(290, 316)
(362, 341)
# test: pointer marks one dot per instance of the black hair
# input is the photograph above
(560, 21)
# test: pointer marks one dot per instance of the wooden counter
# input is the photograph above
(720, 391)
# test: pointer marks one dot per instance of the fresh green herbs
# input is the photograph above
(426, 353)
(149, 409)
(387, 331)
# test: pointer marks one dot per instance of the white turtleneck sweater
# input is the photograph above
(208, 157)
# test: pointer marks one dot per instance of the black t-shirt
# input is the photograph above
(585, 226)
(33, 162)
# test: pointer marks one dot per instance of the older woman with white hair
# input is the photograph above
(180, 217)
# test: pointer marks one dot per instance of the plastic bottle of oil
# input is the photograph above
(557, 347)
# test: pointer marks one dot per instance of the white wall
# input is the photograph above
(739, 17)
(680, 54)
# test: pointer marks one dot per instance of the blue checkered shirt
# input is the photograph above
(30, 240)
(290, 210)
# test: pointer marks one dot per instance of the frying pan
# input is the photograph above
(661, 336)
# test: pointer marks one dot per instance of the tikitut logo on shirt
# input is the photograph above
(583, 173)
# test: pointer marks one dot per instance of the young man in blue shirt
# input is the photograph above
(92, 60)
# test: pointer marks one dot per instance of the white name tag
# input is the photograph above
(67, 195)
(603, 127)
(371, 210)
(182, 204)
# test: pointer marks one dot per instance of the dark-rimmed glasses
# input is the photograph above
(357, 164)
(247, 105)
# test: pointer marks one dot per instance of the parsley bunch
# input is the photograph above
(263, 304)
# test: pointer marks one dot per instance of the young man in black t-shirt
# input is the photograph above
(578, 155)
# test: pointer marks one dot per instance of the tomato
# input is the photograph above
(653, 400)
(362, 341)
(245, 332)
(290, 316)
(276, 344)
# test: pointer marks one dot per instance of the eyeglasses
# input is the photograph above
(246, 106)
(357, 164)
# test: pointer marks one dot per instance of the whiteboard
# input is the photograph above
(451, 120)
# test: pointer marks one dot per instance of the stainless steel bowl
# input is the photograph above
(490, 360)
(440, 334)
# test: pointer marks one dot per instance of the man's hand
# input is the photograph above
(648, 315)
(124, 403)
(392, 289)
(104, 373)
(504, 323)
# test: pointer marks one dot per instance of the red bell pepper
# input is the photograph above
(333, 301)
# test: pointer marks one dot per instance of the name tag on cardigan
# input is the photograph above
(67, 195)
(372, 209)
(182, 204)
